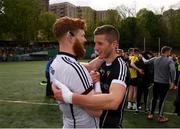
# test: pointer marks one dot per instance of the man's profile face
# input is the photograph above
(102, 46)
(169, 52)
(79, 42)
(131, 53)
(136, 53)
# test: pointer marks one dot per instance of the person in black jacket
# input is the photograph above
(177, 101)
(144, 81)
(49, 92)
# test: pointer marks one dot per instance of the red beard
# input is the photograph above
(79, 49)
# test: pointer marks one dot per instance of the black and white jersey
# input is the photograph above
(117, 72)
(67, 70)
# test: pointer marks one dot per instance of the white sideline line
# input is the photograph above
(26, 102)
(55, 104)
(167, 113)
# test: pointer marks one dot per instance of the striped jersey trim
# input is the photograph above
(72, 112)
(122, 109)
(88, 90)
(80, 71)
(122, 70)
(76, 71)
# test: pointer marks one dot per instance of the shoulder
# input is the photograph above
(130, 57)
(119, 65)
(119, 62)
(136, 58)
(63, 65)
(170, 59)
(133, 58)
(157, 58)
(171, 62)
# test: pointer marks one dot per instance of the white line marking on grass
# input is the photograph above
(26, 102)
(55, 104)
(167, 113)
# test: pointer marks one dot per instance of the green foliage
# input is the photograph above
(128, 30)
(90, 22)
(20, 19)
(113, 18)
(149, 26)
(23, 20)
(46, 22)
(174, 27)
(1, 7)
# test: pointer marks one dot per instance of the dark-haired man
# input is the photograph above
(164, 77)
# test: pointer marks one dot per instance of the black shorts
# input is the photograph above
(133, 82)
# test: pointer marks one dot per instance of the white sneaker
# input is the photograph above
(134, 106)
(129, 105)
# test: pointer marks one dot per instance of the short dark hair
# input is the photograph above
(179, 59)
(165, 49)
(111, 31)
(136, 50)
(130, 50)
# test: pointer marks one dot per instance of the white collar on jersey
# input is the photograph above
(108, 64)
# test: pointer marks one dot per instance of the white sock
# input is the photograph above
(129, 105)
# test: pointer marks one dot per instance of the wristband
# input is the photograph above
(66, 93)
(97, 87)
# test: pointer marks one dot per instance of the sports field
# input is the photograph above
(23, 103)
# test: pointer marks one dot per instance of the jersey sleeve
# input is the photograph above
(119, 73)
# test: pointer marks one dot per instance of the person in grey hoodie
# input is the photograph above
(164, 77)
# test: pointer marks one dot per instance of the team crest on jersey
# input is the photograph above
(102, 71)
(108, 72)
(52, 70)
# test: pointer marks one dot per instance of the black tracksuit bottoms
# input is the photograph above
(159, 92)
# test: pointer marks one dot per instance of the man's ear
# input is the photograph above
(71, 37)
(70, 34)
(115, 44)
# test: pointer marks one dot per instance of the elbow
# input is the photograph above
(115, 105)
(131, 64)
(98, 114)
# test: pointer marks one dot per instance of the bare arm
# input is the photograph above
(135, 67)
(94, 64)
(150, 61)
(57, 96)
(94, 113)
(172, 71)
(94, 102)
(102, 101)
